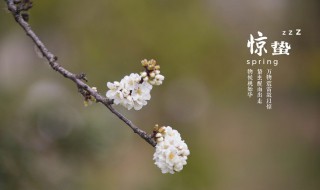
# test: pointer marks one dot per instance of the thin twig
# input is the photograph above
(52, 60)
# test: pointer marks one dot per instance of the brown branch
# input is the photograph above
(52, 60)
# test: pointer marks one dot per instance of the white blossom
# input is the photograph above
(133, 91)
(171, 151)
(156, 78)
(130, 92)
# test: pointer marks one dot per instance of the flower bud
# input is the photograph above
(144, 62)
(150, 67)
(160, 139)
(159, 77)
(152, 74)
(143, 74)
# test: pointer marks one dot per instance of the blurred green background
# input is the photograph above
(49, 140)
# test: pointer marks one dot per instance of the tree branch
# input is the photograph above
(52, 60)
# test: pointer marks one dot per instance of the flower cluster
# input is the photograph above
(133, 91)
(171, 151)
(152, 73)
